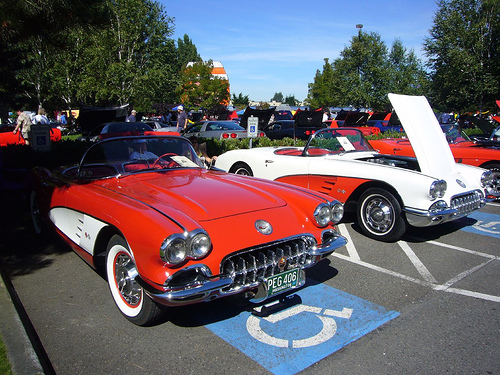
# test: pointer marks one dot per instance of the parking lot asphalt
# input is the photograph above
(426, 304)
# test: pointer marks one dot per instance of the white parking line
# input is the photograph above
(429, 280)
(421, 268)
(351, 249)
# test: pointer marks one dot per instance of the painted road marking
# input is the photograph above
(487, 224)
(291, 340)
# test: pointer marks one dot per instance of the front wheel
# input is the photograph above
(128, 295)
(380, 215)
(241, 168)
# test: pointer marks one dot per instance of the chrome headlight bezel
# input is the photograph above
(323, 215)
(487, 179)
(179, 247)
(437, 189)
(337, 211)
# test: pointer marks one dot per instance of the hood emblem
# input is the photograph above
(461, 183)
(263, 227)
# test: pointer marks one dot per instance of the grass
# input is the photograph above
(5, 368)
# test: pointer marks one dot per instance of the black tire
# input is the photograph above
(242, 169)
(36, 216)
(129, 296)
(380, 216)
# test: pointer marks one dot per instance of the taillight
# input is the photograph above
(225, 136)
(234, 135)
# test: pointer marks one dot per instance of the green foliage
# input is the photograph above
(200, 89)
(464, 55)
(278, 97)
(186, 52)
(217, 147)
(240, 100)
(365, 73)
(5, 368)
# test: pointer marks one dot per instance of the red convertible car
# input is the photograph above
(168, 232)
(7, 137)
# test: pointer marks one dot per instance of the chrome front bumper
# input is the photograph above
(204, 287)
(461, 205)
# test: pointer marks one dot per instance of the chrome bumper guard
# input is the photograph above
(461, 205)
(200, 286)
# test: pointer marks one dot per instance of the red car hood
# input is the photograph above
(200, 194)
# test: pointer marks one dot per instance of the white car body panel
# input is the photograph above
(340, 172)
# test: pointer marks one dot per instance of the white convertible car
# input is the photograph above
(388, 192)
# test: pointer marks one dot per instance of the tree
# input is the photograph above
(322, 93)
(186, 52)
(365, 73)
(130, 61)
(278, 97)
(464, 54)
(240, 100)
(407, 75)
(200, 89)
(291, 100)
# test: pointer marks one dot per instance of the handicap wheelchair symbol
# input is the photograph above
(324, 315)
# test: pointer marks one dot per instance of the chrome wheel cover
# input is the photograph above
(242, 171)
(378, 214)
(125, 273)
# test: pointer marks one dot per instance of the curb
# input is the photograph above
(24, 349)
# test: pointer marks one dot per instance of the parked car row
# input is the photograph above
(142, 209)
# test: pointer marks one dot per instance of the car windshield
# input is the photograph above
(223, 125)
(453, 134)
(115, 156)
(336, 140)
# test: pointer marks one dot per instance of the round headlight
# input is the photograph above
(322, 215)
(437, 189)
(200, 245)
(337, 211)
(174, 249)
(487, 179)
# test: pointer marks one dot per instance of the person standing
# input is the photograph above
(132, 117)
(41, 117)
(23, 125)
(182, 119)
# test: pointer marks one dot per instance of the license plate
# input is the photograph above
(282, 282)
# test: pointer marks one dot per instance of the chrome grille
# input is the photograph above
(466, 203)
(252, 266)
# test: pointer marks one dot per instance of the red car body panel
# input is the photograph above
(146, 207)
(7, 137)
(466, 152)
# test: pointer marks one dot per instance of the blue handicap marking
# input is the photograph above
(293, 339)
(486, 224)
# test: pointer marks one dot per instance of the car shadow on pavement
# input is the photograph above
(21, 251)
(225, 308)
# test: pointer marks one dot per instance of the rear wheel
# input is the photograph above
(241, 168)
(128, 295)
(380, 216)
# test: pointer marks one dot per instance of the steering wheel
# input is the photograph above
(169, 164)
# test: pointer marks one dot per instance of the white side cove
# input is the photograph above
(424, 132)
(78, 227)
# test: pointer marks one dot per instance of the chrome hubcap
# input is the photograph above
(125, 273)
(379, 215)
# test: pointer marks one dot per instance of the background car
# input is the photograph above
(387, 192)
(226, 129)
(167, 232)
(303, 124)
(160, 126)
(7, 137)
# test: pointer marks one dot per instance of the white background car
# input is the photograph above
(387, 192)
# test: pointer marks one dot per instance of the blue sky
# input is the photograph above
(277, 46)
